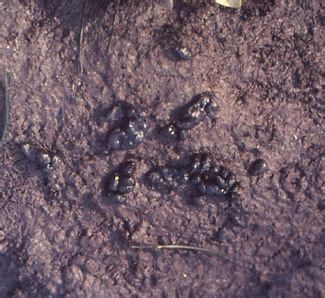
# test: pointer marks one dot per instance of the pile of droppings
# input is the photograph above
(204, 177)
(121, 181)
(129, 127)
(189, 116)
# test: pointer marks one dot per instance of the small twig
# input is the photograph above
(6, 107)
(178, 247)
(81, 37)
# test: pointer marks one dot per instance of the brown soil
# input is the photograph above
(60, 236)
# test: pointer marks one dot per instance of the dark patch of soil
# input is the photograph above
(60, 236)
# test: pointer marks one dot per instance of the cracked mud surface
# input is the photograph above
(60, 235)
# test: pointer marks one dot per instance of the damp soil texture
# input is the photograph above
(62, 235)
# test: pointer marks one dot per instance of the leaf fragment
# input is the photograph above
(231, 3)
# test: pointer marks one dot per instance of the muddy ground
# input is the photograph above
(70, 60)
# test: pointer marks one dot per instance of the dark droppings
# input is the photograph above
(209, 179)
(129, 127)
(202, 175)
(60, 235)
(257, 167)
(214, 184)
(41, 158)
(200, 163)
(127, 168)
(203, 178)
(171, 132)
(166, 178)
(121, 181)
(196, 110)
(188, 116)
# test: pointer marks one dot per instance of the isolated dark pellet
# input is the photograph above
(195, 111)
(257, 167)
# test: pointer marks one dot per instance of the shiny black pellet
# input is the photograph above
(121, 181)
(257, 167)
